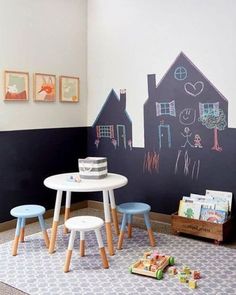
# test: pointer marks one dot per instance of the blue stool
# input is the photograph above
(128, 210)
(23, 212)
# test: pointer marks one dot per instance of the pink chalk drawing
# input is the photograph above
(151, 162)
(197, 141)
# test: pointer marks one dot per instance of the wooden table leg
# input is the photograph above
(67, 209)
(108, 222)
(114, 212)
(55, 222)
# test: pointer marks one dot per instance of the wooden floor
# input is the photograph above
(157, 226)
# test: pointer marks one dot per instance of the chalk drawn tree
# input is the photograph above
(216, 122)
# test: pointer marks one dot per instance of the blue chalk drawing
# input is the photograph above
(164, 135)
(180, 73)
(207, 108)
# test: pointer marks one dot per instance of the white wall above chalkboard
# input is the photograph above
(144, 37)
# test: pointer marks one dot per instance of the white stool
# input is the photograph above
(84, 224)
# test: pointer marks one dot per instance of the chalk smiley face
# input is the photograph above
(187, 116)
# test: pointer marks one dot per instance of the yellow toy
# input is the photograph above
(152, 265)
(192, 284)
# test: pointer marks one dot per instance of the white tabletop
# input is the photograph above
(62, 182)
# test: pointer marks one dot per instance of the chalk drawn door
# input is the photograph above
(121, 136)
(164, 136)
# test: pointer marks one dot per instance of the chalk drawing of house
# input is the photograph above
(113, 127)
(177, 107)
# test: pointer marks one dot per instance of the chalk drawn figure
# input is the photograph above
(164, 135)
(194, 89)
(216, 122)
(180, 73)
(187, 134)
(187, 116)
(197, 141)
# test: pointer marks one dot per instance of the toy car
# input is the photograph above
(152, 264)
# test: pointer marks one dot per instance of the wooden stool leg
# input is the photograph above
(22, 230)
(17, 235)
(129, 226)
(82, 243)
(114, 212)
(44, 231)
(55, 222)
(122, 232)
(149, 229)
(101, 248)
(67, 209)
(69, 251)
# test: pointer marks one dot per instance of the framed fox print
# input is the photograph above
(44, 87)
(69, 89)
(16, 86)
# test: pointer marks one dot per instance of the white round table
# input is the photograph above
(65, 182)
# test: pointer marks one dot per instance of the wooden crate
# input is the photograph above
(216, 231)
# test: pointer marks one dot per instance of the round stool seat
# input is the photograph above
(84, 223)
(27, 211)
(134, 208)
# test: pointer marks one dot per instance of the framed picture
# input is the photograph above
(44, 87)
(69, 89)
(16, 86)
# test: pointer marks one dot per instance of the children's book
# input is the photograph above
(203, 200)
(220, 196)
(189, 209)
(212, 215)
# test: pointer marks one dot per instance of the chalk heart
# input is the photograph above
(194, 89)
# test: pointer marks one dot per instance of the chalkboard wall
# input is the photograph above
(28, 157)
(163, 189)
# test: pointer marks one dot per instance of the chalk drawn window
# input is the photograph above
(180, 73)
(105, 131)
(165, 108)
(209, 108)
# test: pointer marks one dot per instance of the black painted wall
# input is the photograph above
(28, 157)
(163, 189)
